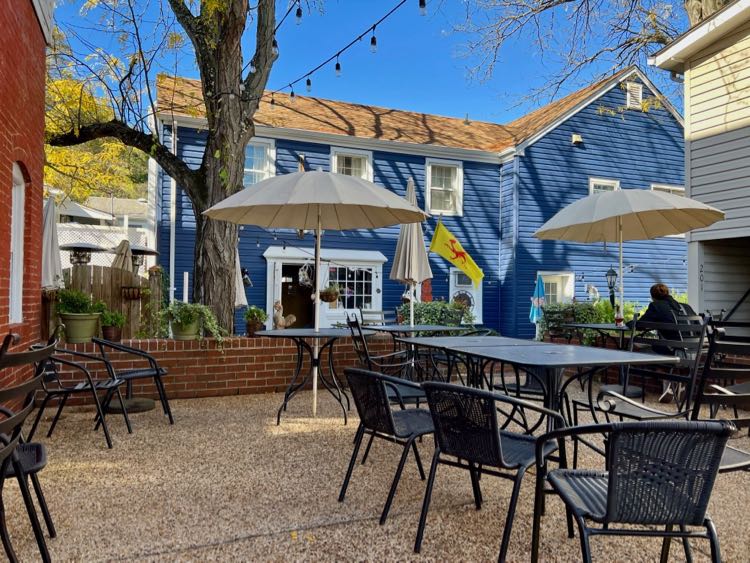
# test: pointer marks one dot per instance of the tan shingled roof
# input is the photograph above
(183, 97)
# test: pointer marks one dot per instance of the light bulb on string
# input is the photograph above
(373, 42)
(253, 69)
(298, 14)
(308, 84)
(257, 243)
(273, 101)
(422, 7)
(275, 48)
(292, 96)
(338, 67)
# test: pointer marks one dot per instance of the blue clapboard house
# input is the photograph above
(491, 184)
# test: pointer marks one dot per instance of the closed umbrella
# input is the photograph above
(632, 214)
(52, 277)
(316, 200)
(410, 263)
(240, 299)
(537, 302)
(123, 256)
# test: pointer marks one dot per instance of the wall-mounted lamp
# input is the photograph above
(246, 281)
(611, 276)
(576, 139)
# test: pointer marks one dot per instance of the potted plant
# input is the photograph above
(190, 320)
(330, 293)
(255, 317)
(78, 314)
(112, 323)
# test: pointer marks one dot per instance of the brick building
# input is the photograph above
(26, 26)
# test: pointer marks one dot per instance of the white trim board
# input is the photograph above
(43, 10)
(709, 31)
(292, 253)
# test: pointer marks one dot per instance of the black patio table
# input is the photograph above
(546, 358)
(300, 337)
(396, 330)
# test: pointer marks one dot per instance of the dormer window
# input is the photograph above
(634, 95)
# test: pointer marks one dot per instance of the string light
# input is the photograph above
(275, 48)
(292, 97)
(373, 42)
(422, 7)
(308, 84)
(252, 68)
(298, 14)
(338, 67)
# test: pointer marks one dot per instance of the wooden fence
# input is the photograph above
(137, 297)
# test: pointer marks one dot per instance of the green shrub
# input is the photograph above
(255, 314)
(438, 313)
(558, 314)
(75, 302)
(113, 318)
(185, 314)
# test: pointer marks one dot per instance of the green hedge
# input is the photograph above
(437, 313)
(581, 312)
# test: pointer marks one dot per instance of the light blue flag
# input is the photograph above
(537, 301)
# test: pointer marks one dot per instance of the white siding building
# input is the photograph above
(714, 58)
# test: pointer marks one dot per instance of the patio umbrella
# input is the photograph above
(537, 301)
(52, 277)
(410, 264)
(316, 200)
(123, 256)
(240, 299)
(631, 214)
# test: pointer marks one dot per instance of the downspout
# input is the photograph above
(516, 198)
(172, 218)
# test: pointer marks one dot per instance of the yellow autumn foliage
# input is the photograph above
(101, 167)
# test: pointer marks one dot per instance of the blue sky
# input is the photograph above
(420, 64)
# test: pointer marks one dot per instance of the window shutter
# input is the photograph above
(634, 96)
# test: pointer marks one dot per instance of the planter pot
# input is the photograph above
(253, 327)
(328, 296)
(79, 327)
(112, 333)
(185, 332)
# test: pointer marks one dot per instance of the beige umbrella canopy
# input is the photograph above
(410, 263)
(631, 214)
(316, 200)
(123, 257)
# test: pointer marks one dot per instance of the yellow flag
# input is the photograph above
(446, 245)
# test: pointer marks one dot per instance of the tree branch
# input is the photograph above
(187, 178)
(263, 58)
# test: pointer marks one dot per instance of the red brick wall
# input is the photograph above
(245, 365)
(22, 78)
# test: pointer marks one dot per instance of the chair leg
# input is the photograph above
(511, 515)
(38, 417)
(352, 461)
(419, 460)
(124, 410)
(714, 539)
(100, 415)
(396, 479)
(426, 502)
(475, 487)
(686, 546)
(367, 449)
(665, 545)
(31, 510)
(165, 400)
(585, 544)
(5, 536)
(537, 522)
(57, 415)
(43, 505)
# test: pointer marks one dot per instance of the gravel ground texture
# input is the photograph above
(226, 484)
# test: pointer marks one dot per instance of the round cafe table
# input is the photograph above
(302, 337)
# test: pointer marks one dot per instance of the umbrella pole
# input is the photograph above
(411, 305)
(316, 350)
(622, 272)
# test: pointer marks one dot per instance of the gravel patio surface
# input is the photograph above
(226, 484)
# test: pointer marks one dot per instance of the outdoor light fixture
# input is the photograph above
(80, 252)
(298, 14)
(611, 282)
(373, 42)
(422, 7)
(275, 48)
(576, 138)
(139, 253)
(338, 67)
(308, 84)
(246, 281)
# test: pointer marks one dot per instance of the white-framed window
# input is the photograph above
(355, 284)
(444, 186)
(352, 162)
(461, 288)
(598, 185)
(633, 95)
(559, 287)
(17, 227)
(260, 161)
(668, 188)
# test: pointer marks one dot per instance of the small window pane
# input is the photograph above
(443, 186)
(351, 165)
(257, 165)
(550, 293)
(597, 187)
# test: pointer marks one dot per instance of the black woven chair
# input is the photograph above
(152, 371)
(467, 428)
(18, 458)
(727, 360)
(376, 418)
(61, 389)
(657, 475)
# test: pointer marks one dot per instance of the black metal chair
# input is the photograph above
(153, 371)
(404, 426)
(657, 474)
(56, 387)
(727, 360)
(396, 364)
(467, 428)
(18, 458)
